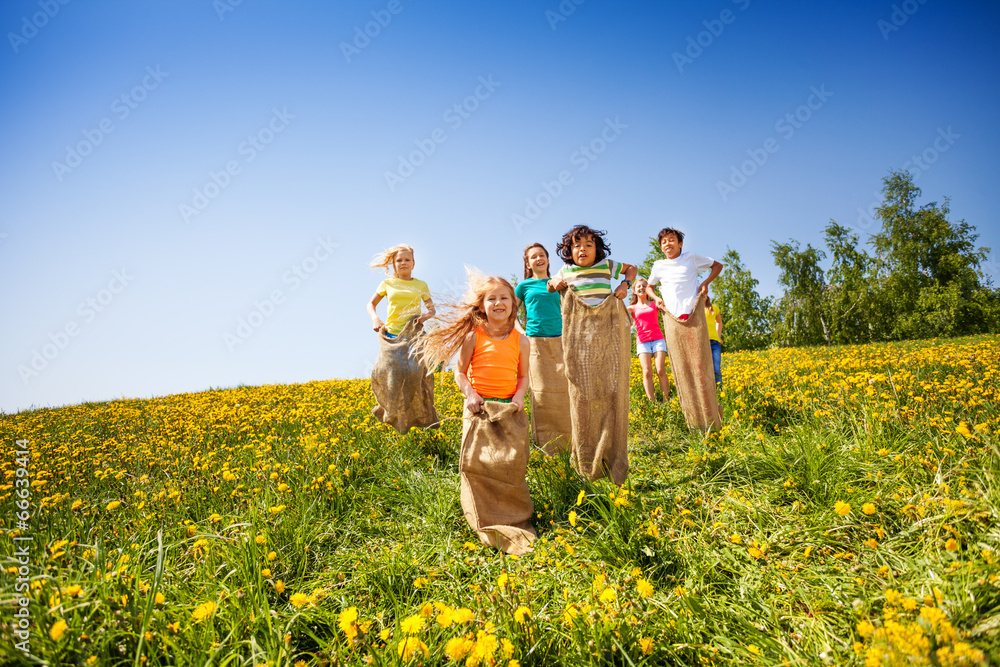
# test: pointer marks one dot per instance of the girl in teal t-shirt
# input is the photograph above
(550, 422)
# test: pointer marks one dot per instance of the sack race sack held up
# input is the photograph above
(403, 387)
(551, 426)
(493, 464)
(691, 364)
(596, 348)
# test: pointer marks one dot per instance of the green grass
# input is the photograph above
(737, 533)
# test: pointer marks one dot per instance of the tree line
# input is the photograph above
(919, 276)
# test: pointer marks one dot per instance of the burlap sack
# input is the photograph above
(691, 364)
(403, 387)
(551, 427)
(596, 349)
(493, 465)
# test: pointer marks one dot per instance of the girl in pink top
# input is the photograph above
(649, 340)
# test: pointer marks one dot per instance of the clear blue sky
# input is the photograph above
(171, 168)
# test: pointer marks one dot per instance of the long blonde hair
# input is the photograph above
(442, 342)
(387, 258)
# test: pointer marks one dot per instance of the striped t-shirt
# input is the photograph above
(592, 283)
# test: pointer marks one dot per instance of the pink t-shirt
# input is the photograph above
(647, 322)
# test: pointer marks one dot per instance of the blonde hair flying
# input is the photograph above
(387, 258)
(441, 343)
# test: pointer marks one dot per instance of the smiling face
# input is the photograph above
(498, 304)
(671, 246)
(584, 251)
(402, 264)
(538, 262)
(639, 286)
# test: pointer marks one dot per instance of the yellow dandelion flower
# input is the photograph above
(579, 498)
(951, 544)
(572, 518)
(113, 505)
(869, 509)
(203, 611)
(608, 595)
(644, 587)
(842, 508)
(409, 646)
(412, 625)
(463, 615)
(347, 622)
(77, 504)
(521, 614)
(57, 630)
(458, 647)
(160, 598)
(279, 586)
(646, 645)
(260, 539)
(298, 599)
(865, 628)
(752, 648)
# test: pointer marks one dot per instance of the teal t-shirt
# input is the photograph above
(542, 306)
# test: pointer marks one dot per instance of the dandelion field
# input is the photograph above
(847, 514)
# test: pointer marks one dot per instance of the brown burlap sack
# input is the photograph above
(596, 349)
(691, 364)
(493, 465)
(551, 427)
(403, 387)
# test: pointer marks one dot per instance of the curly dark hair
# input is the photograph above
(565, 247)
(670, 230)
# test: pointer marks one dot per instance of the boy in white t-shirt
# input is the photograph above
(677, 275)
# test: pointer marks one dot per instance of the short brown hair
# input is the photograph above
(670, 230)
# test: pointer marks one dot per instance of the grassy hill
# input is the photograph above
(847, 514)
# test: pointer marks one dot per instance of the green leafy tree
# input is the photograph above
(850, 302)
(743, 310)
(798, 315)
(930, 270)
(653, 255)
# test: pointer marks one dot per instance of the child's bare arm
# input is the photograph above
(651, 295)
(473, 401)
(522, 373)
(716, 270)
(376, 322)
(630, 272)
(430, 310)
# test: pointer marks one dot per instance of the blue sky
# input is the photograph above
(193, 189)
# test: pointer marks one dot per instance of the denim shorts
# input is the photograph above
(658, 345)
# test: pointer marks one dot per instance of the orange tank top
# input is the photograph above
(493, 367)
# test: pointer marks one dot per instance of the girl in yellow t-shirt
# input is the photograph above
(403, 292)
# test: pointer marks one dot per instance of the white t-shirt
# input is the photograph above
(678, 280)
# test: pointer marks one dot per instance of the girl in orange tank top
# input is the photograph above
(492, 354)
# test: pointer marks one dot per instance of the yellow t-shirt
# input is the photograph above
(710, 315)
(403, 299)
